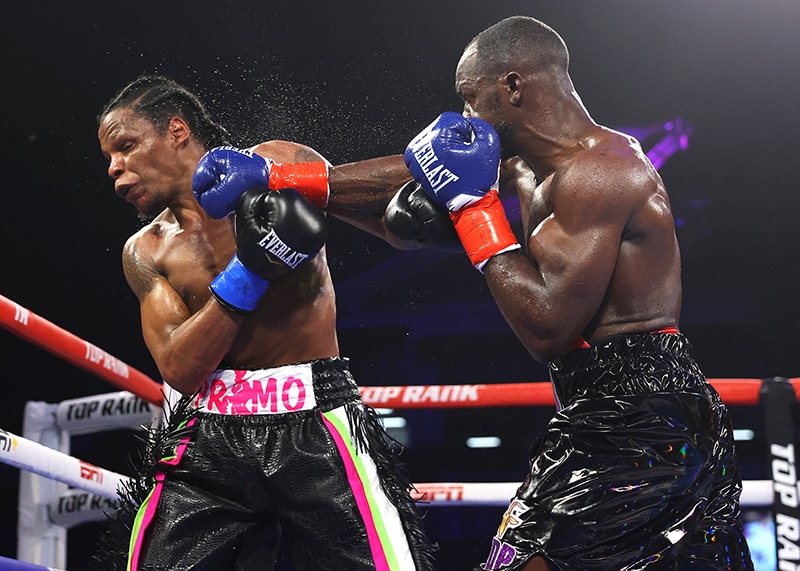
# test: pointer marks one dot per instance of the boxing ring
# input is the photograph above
(58, 491)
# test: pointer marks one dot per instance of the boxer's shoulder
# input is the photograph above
(154, 235)
(287, 152)
(163, 245)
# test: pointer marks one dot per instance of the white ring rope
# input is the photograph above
(39, 459)
(44, 461)
(754, 493)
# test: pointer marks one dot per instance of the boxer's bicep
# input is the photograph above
(552, 293)
(576, 261)
(162, 311)
(161, 307)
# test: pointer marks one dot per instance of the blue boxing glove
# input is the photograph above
(456, 159)
(223, 174)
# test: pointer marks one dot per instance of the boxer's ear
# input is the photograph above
(178, 130)
(515, 87)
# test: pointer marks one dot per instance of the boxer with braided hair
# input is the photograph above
(270, 443)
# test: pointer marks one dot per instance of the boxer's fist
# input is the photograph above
(277, 231)
(223, 174)
(412, 215)
(455, 159)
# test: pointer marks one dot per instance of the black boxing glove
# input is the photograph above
(276, 232)
(412, 215)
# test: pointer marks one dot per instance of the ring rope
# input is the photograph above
(732, 392)
(39, 331)
(61, 467)
(7, 564)
(95, 485)
(754, 493)
(83, 354)
(39, 459)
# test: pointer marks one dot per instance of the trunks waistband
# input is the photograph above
(626, 364)
(581, 343)
(321, 384)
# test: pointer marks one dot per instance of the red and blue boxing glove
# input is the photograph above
(457, 161)
(224, 173)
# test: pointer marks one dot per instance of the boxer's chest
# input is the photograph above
(191, 259)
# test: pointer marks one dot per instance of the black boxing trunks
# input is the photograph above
(258, 457)
(636, 471)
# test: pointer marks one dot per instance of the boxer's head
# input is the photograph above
(505, 69)
(153, 133)
(520, 43)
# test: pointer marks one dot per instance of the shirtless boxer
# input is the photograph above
(270, 441)
(637, 469)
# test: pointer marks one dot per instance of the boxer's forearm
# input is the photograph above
(366, 186)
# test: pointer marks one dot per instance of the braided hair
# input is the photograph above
(159, 99)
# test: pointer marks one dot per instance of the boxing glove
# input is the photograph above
(412, 215)
(276, 232)
(457, 162)
(224, 173)
(456, 159)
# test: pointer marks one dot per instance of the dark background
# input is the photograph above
(357, 80)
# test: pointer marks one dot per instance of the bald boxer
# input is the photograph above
(637, 470)
(270, 443)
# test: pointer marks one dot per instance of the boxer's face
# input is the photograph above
(141, 160)
(481, 95)
(473, 88)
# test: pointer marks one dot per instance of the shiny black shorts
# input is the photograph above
(229, 483)
(637, 471)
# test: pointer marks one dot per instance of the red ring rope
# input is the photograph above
(39, 331)
(83, 354)
(732, 391)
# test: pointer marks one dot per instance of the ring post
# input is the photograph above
(779, 401)
(38, 538)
